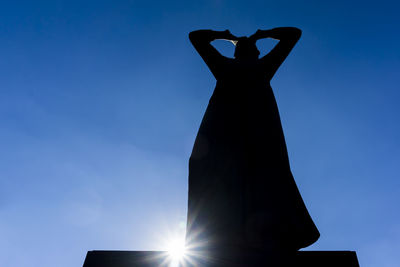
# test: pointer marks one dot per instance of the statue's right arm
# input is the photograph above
(201, 40)
(210, 35)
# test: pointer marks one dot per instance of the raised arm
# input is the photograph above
(201, 40)
(287, 36)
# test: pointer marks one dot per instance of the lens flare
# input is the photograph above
(176, 251)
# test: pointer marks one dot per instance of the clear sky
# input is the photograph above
(100, 102)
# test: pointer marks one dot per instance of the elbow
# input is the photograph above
(200, 34)
(297, 33)
(194, 35)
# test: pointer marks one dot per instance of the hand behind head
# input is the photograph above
(230, 36)
(246, 48)
(255, 36)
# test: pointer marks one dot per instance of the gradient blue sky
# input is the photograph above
(100, 102)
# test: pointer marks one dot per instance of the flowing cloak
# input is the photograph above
(241, 189)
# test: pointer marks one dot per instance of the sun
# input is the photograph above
(176, 249)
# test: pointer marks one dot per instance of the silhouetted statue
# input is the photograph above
(242, 194)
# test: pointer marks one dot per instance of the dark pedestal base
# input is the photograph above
(99, 258)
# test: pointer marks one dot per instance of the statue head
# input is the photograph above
(246, 49)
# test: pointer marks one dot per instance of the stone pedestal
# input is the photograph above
(99, 258)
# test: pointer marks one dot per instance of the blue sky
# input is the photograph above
(100, 102)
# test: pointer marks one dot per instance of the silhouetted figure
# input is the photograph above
(242, 195)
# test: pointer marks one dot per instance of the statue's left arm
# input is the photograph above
(287, 36)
